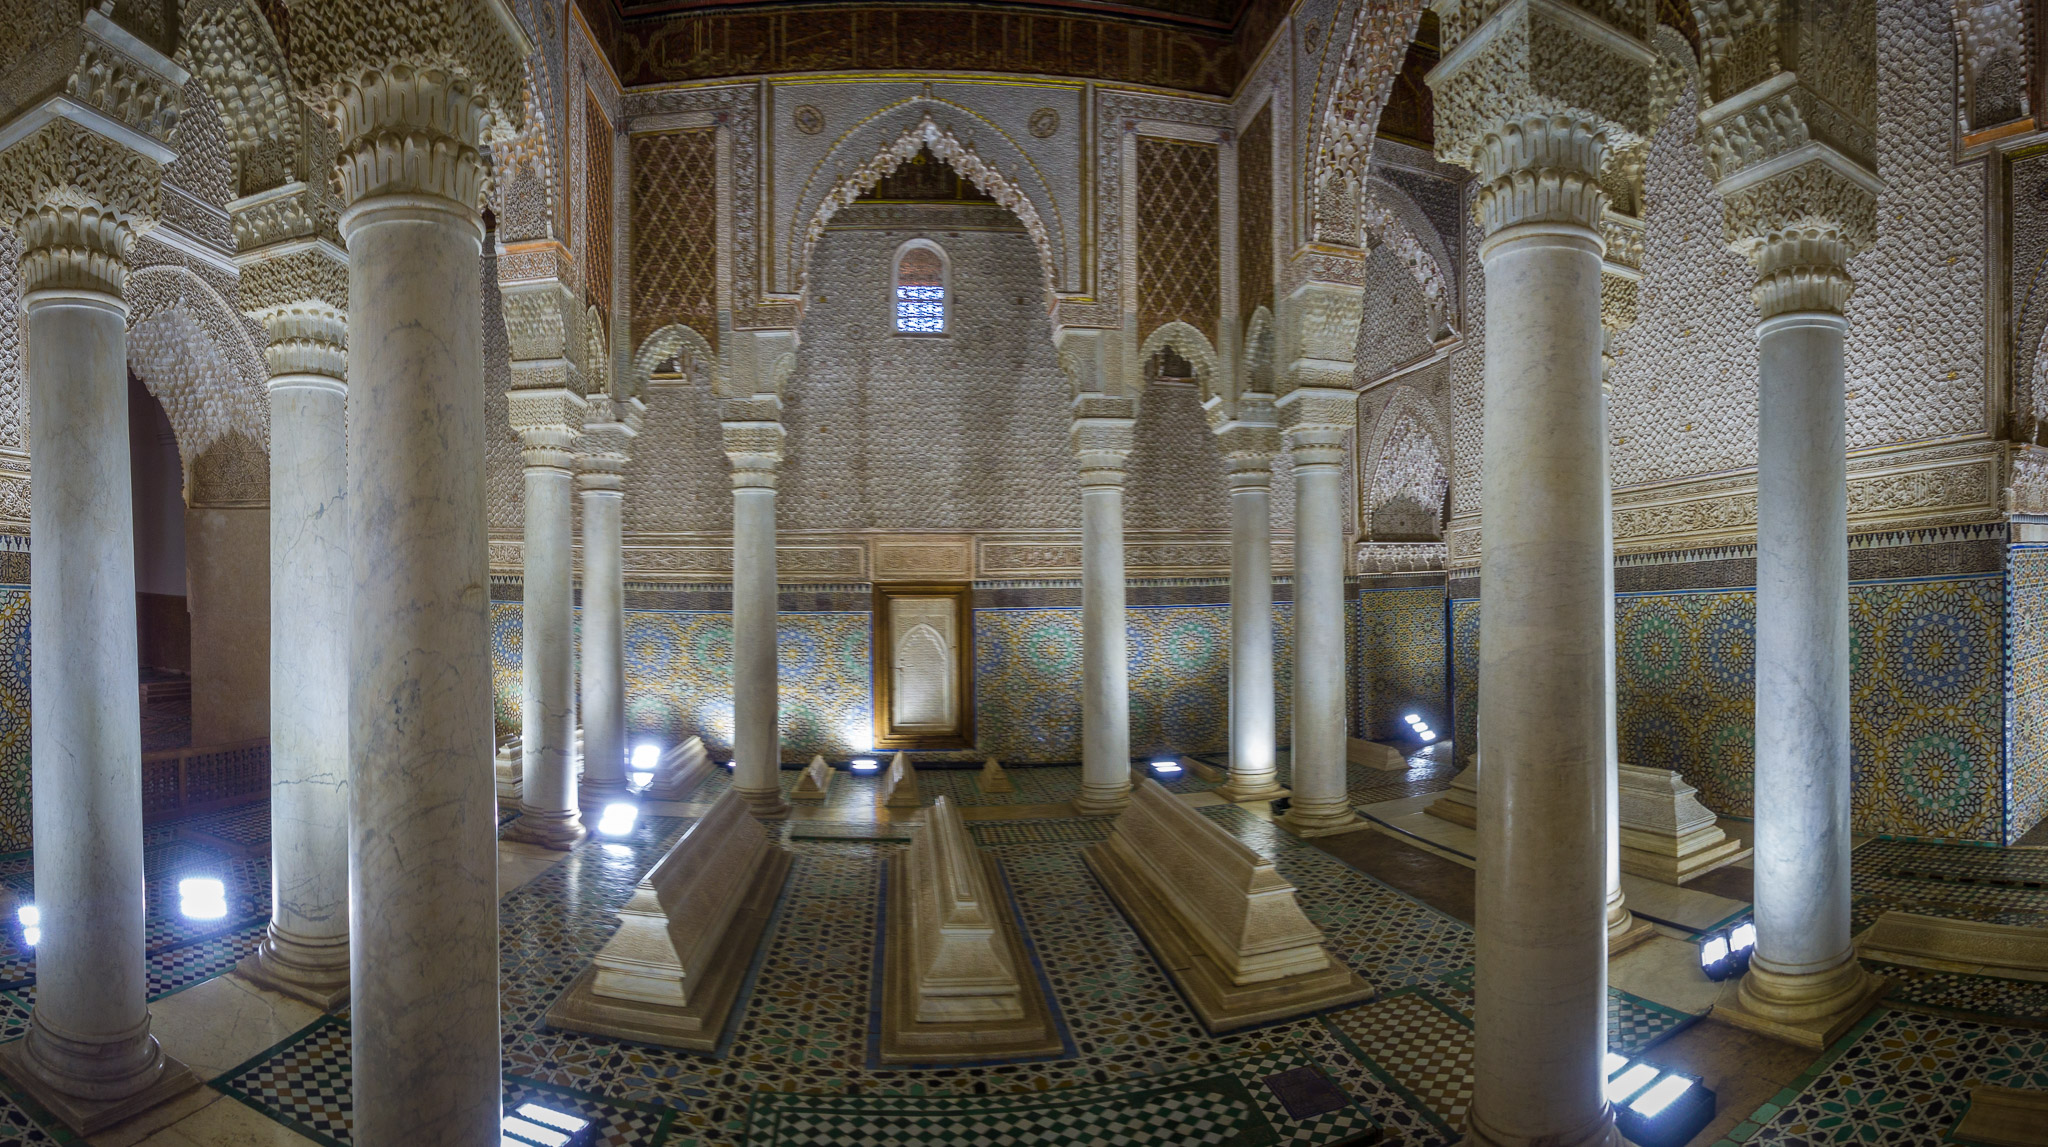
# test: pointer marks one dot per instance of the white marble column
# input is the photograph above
(548, 813)
(1248, 446)
(1102, 445)
(1805, 969)
(89, 1055)
(305, 950)
(1316, 419)
(1799, 206)
(601, 482)
(423, 847)
(1543, 642)
(755, 450)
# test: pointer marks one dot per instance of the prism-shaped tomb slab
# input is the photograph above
(1459, 804)
(814, 782)
(1666, 833)
(1220, 917)
(899, 785)
(672, 972)
(957, 983)
(993, 779)
(680, 771)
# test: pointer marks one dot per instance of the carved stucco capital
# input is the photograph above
(609, 427)
(413, 89)
(1535, 94)
(1102, 440)
(754, 450)
(1248, 452)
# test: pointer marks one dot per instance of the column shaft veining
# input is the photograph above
(601, 482)
(1799, 205)
(1316, 420)
(1538, 136)
(89, 1055)
(1249, 444)
(423, 826)
(1102, 439)
(754, 448)
(548, 812)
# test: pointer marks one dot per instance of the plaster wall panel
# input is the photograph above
(965, 431)
(677, 481)
(1176, 477)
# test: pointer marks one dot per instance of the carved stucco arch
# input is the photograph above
(1188, 343)
(528, 156)
(1261, 350)
(669, 341)
(193, 350)
(1386, 478)
(1352, 89)
(1007, 175)
(1388, 213)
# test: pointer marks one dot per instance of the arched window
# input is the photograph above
(920, 289)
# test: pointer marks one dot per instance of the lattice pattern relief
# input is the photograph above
(675, 216)
(1178, 261)
(597, 207)
(1255, 214)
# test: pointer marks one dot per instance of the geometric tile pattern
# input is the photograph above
(303, 1084)
(14, 719)
(1956, 991)
(679, 677)
(1465, 677)
(1027, 674)
(1399, 661)
(1927, 698)
(1208, 1104)
(1425, 1048)
(2026, 723)
(1898, 1078)
(1954, 881)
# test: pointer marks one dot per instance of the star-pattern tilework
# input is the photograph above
(2026, 606)
(1399, 662)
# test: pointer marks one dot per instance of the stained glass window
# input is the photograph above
(921, 292)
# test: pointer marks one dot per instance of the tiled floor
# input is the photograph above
(797, 1067)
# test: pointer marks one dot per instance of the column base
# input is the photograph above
(299, 970)
(593, 796)
(1629, 933)
(91, 1116)
(1322, 820)
(546, 828)
(1256, 789)
(307, 973)
(765, 804)
(1809, 1010)
(1103, 801)
(1599, 1133)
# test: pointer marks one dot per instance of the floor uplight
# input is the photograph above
(617, 819)
(533, 1125)
(1622, 1086)
(646, 756)
(865, 765)
(1667, 1113)
(31, 918)
(202, 898)
(1166, 767)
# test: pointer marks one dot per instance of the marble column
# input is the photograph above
(305, 949)
(423, 841)
(754, 448)
(1540, 1019)
(1249, 444)
(601, 482)
(1316, 420)
(1805, 971)
(1102, 439)
(89, 1055)
(1544, 660)
(548, 812)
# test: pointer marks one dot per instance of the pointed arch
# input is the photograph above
(524, 193)
(1349, 104)
(194, 353)
(1388, 214)
(1407, 461)
(1022, 196)
(1188, 343)
(233, 52)
(668, 342)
